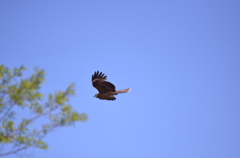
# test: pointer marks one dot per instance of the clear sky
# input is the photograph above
(181, 59)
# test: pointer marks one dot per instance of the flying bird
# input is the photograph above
(106, 89)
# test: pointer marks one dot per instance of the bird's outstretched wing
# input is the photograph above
(100, 83)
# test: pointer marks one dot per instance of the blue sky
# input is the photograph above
(181, 59)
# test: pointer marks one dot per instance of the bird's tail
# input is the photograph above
(124, 91)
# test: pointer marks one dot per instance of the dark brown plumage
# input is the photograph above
(106, 89)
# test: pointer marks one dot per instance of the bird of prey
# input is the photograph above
(106, 89)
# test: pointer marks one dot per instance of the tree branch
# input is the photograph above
(6, 113)
(15, 151)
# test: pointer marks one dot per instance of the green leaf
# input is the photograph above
(39, 109)
(4, 139)
(11, 125)
(2, 67)
(41, 144)
(66, 108)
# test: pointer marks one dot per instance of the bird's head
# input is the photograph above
(96, 95)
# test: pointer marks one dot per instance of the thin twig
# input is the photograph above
(6, 113)
(15, 151)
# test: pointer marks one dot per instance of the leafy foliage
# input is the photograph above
(17, 95)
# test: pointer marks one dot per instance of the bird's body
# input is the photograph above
(106, 89)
